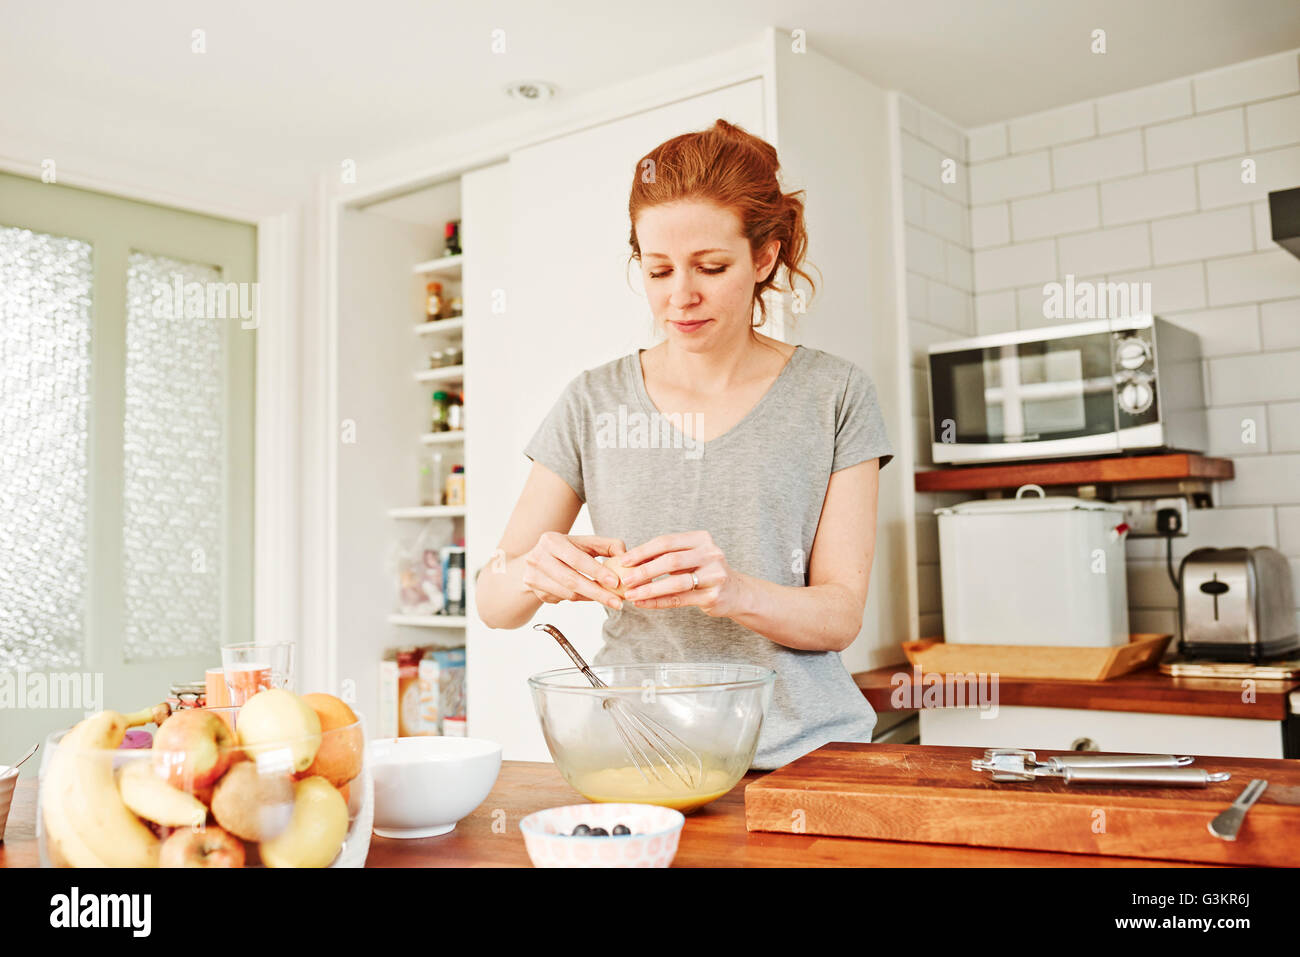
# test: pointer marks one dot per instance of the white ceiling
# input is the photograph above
(287, 86)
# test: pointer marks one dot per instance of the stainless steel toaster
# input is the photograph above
(1237, 604)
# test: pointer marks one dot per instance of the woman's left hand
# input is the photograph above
(716, 588)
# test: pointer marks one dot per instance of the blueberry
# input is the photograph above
(620, 829)
(581, 831)
(599, 832)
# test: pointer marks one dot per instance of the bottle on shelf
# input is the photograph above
(453, 574)
(431, 480)
(452, 236)
(455, 491)
(433, 307)
(455, 413)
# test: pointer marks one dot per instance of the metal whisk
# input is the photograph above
(642, 737)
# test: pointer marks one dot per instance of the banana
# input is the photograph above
(86, 823)
(155, 800)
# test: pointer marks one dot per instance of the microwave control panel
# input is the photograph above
(1135, 378)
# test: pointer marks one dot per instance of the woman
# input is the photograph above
(742, 470)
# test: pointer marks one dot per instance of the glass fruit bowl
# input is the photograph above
(281, 781)
(714, 709)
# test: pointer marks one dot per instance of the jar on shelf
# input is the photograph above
(451, 234)
(455, 307)
(433, 302)
(437, 359)
(431, 480)
(438, 421)
(455, 492)
(188, 694)
(455, 413)
(454, 355)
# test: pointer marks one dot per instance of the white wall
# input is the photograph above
(833, 135)
(1146, 186)
(386, 409)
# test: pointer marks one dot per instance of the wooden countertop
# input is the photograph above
(1147, 690)
(714, 836)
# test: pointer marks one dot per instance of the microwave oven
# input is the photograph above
(1087, 388)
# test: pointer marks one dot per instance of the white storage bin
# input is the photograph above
(1033, 571)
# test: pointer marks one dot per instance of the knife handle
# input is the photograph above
(1175, 777)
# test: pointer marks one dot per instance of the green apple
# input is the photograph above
(275, 721)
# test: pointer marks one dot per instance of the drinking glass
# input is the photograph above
(250, 667)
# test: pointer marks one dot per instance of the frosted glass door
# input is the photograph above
(126, 368)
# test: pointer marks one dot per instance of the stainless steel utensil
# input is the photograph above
(1228, 822)
(648, 743)
(1160, 770)
(30, 752)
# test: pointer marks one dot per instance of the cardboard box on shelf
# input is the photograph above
(419, 686)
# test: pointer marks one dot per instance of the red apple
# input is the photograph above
(208, 847)
(193, 749)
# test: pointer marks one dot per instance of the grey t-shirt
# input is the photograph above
(757, 489)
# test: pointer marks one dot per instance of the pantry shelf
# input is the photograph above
(442, 266)
(429, 621)
(1110, 470)
(443, 374)
(428, 511)
(454, 437)
(440, 327)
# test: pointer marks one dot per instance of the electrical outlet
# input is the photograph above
(1140, 514)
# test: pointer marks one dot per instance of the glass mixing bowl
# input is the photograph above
(715, 709)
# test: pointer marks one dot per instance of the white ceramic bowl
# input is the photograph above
(548, 835)
(424, 785)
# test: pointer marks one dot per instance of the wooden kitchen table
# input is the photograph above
(714, 836)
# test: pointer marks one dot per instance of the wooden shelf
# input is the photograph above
(428, 511)
(441, 266)
(1113, 469)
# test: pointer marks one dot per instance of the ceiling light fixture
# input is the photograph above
(531, 91)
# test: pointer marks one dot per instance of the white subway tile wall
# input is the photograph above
(1148, 197)
(1280, 324)
(1166, 184)
(1142, 107)
(1259, 79)
(1284, 421)
(940, 284)
(1247, 178)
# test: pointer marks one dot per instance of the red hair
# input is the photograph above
(733, 169)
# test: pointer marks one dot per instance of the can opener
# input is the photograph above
(1161, 770)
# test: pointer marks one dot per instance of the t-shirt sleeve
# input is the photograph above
(859, 426)
(557, 443)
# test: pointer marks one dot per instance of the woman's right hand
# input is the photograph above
(563, 568)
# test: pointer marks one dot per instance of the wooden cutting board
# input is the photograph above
(910, 792)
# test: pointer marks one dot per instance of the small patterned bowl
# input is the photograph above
(652, 843)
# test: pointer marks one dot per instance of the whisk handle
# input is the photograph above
(571, 652)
